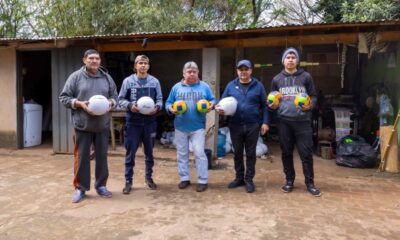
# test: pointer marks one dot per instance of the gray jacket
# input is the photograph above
(81, 86)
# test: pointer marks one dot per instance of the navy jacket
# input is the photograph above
(131, 91)
(252, 106)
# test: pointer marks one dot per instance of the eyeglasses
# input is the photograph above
(243, 69)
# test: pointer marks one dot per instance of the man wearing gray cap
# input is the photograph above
(250, 118)
(294, 123)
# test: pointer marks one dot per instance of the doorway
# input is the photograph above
(34, 71)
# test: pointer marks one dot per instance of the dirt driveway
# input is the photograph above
(36, 188)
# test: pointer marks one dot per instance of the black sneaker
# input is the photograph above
(151, 184)
(250, 186)
(183, 184)
(288, 187)
(313, 190)
(236, 183)
(127, 189)
(201, 187)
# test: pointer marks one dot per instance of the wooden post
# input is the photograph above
(389, 159)
(211, 74)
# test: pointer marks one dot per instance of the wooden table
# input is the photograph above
(115, 114)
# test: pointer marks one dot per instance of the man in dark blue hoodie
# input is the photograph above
(244, 125)
(140, 127)
(294, 123)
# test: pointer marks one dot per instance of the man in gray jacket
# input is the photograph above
(90, 129)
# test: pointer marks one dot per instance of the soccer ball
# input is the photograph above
(98, 105)
(179, 106)
(203, 105)
(145, 105)
(229, 105)
(302, 100)
(274, 99)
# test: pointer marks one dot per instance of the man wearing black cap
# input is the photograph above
(294, 123)
(244, 125)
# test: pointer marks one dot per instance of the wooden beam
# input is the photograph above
(319, 39)
(42, 45)
(388, 37)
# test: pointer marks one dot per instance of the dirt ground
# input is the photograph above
(36, 188)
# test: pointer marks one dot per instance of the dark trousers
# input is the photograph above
(134, 135)
(244, 137)
(299, 133)
(83, 142)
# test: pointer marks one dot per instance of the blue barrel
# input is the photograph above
(221, 141)
(209, 157)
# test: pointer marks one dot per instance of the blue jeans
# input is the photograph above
(197, 138)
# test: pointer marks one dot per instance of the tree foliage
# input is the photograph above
(297, 12)
(358, 10)
(370, 10)
(44, 18)
(12, 15)
(56, 18)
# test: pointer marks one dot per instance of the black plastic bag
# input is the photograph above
(355, 152)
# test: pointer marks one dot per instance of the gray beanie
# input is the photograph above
(291, 50)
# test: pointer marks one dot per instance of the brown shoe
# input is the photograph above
(183, 184)
(201, 187)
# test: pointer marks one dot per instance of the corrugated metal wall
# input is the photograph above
(63, 63)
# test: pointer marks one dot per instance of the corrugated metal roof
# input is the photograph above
(215, 32)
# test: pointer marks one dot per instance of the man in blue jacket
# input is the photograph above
(244, 125)
(140, 127)
(190, 125)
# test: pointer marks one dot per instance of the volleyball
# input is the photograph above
(203, 105)
(274, 99)
(145, 105)
(98, 105)
(229, 105)
(179, 106)
(302, 100)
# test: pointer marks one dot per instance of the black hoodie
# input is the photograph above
(289, 85)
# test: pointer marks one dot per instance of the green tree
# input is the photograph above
(12, 18)
(87, 17)
(369, 10)
(358, 10)
(297, 11)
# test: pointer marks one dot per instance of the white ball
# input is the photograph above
(98, 104)
(145, 105)
(229, 105)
